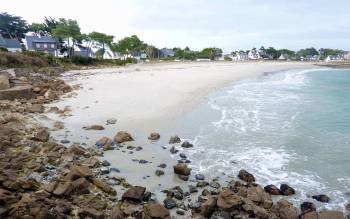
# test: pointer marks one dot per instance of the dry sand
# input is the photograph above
(151, 96)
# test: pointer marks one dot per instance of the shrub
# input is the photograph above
(226, 58)
(82, 60)
(3, 49)
(9, 59)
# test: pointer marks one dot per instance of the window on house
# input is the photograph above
(52, 46)
(38, 45)
(45, 45)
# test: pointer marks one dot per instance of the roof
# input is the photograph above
(9, 43)
(39, 39)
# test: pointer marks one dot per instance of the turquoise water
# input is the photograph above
(287, 127)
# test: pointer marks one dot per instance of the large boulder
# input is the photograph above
(246, 176)
(4, 81)
(90, 213)
(330, 215)
(174, 139)
(306, 207)
(105, 143)
(154, 136)
(134, 194)
(117, 213)
(155, 210)
(272, 189)
(182, 169)
(286, 190)
(42, 135)
(228, 199)
(285, 210)
(321, 198)
(122, 136)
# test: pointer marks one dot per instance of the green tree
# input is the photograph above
(101, 39)
(272, 53)
(44, 28)
(129, 46)
(68, 30)
(211, 53)
(307, 52)
(12, 26)
(324, 52)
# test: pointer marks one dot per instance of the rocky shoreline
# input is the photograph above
(41, 178)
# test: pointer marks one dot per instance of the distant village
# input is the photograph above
(62, 38)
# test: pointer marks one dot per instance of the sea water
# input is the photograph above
(288, 127)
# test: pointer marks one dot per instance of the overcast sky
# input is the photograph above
(228, 24)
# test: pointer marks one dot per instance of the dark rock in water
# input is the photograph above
(169, 203)
(194, 205)
(159, 172)
(94, 127)
(200, 177)
(154, 136)
(246, 176)
(143, 161)
(111, 121)
(155, 210)
(330, 215)
(182, 155)
(180, 212)
(105, 163)
(104, 170)
(163, 165)
(206, 192)
(65, 141)
(147, 196)
(202, 184)
(215, 184)
(43, 135)
(174, 139)
(173, 150)
(186, 144)
(178, 195)
(348, 207)
(272, 189)
(139, 148)
(183, 177)
(321, 198)
(286, 190)
(187, 161)
(113, 169)
(122, 136)
(105, 143)
(306, 207)
(192, 189)
(182, 169)
(180, 161)
(135, 194)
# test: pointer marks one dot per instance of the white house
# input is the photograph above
(347, 56)
(337, 58)
(254, 54)
(284, 57)
(239, 56)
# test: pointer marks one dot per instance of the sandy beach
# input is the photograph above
(148, 97)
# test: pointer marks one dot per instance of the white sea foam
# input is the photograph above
(253, 118)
